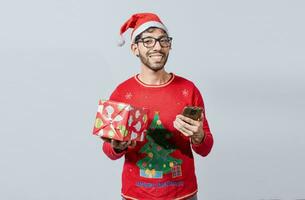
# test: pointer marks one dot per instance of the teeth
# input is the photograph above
(156, 56)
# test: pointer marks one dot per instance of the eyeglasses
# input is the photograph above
(150, 42)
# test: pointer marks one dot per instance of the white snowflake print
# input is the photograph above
(128, 95)
(185, 92)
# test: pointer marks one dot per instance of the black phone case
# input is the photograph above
(192, 112)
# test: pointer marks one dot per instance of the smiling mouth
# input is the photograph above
(156, 56)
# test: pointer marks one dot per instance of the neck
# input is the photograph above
(151, 77)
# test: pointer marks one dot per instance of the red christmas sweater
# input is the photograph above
(162, 166)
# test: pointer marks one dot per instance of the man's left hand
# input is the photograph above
(190, 128)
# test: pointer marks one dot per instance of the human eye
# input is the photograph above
(163, 38)
(148, 41)
(165, 41)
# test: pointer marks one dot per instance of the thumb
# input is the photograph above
(114, 143)
(133, 144)
(202, 117)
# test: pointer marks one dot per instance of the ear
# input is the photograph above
(135, 49)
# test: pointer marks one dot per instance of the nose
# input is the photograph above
(157, 45)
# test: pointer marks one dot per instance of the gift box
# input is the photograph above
(120, 121)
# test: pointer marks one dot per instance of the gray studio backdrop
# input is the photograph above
(58, 57)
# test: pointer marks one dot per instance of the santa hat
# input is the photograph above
(140, 22)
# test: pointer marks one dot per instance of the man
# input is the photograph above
(162, 166)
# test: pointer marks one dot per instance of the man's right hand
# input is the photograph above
(120, 146)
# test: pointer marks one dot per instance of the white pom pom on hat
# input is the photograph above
(140, 22)
(121, 42)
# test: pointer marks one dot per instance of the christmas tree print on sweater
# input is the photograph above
(158, 149)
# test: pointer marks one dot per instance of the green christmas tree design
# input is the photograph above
(158, 149)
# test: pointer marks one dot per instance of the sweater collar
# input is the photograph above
(153, 85)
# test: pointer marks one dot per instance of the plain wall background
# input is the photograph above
(58, 57)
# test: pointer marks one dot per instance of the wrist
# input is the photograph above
(197, 139)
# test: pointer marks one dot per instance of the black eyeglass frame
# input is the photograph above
(155, 41)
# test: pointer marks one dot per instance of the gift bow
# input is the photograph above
(108, 119)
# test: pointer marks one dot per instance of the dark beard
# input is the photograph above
(144, 60)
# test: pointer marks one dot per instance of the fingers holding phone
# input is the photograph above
(187, 125)
(190, 122)
(182, 126)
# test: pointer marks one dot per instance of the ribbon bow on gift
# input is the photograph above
(117, 120)
(112, 118)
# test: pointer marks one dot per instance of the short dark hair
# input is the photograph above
(149, 30)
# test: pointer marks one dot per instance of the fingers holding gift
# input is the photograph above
(133, 144)
(119, 144)
(122, 145)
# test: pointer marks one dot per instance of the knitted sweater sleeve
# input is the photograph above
(206, 145)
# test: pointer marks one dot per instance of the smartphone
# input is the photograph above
(192, 112)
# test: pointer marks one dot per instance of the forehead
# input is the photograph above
(154, 32)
